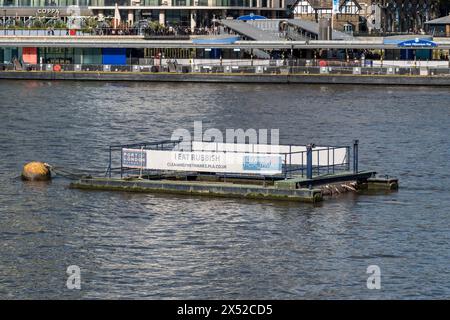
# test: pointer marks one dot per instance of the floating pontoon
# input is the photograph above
(261, 171)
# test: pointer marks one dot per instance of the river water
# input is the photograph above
(164, 247)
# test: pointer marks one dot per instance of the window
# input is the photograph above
(350, 8)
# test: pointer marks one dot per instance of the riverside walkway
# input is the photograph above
(255, 76)
(140, 42)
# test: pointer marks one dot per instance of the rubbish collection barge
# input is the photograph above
(278, 172)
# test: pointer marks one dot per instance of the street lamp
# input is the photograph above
(4, 21)
(214, 23)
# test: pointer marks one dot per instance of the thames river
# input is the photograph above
(165, 247)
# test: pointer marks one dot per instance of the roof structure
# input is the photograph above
(313, 27)
(442, 20)
(126, 42)
(249, 30)
(291, 3)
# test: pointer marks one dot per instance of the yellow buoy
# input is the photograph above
(36, 171)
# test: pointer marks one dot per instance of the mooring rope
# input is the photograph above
(74, 174)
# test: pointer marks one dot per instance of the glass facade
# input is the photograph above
(177, 17)
(64, 3)
(151, 2)
(101, 3)
(182, 3)
(232, 3)
(43, 3)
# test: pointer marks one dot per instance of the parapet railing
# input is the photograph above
(63, 32)
(312, 162)
(32, 32)
(170, 67)
(309, 163)
(113, 149)
(175, 33)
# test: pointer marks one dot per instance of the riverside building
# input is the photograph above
(188, 13)
(371, 15)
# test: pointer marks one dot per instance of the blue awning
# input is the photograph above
(251, 16)
(417, 43)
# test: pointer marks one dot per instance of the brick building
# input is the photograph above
(374, 15)
(348, 18)
(406, 16)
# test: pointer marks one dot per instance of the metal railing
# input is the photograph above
(62, 32)
(179, 31)
(113, 149)
(173, 33)
(378, 33)
(310, 166)
(42, 32)
(170, 67)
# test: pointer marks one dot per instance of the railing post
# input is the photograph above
(290, 157)
(303, 165)
(285, 167)
(328, 160)
(309, 166)
(110, 160)
(334, 149)
(121, 163)
(355, 156)
(347, 164)
(318, 162)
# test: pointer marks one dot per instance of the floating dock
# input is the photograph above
(218, 189)
(290, 173)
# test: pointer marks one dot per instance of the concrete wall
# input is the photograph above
(232, 78)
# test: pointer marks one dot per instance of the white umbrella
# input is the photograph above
(116, 17)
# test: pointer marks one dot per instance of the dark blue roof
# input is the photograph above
(251, 16)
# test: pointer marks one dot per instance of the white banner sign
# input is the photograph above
(223, 162)
(296, 155)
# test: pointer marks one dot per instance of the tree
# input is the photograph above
(444, 7)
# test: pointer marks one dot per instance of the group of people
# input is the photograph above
(182, 30)
(50, 31)
(169, 30)
(115, 32)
